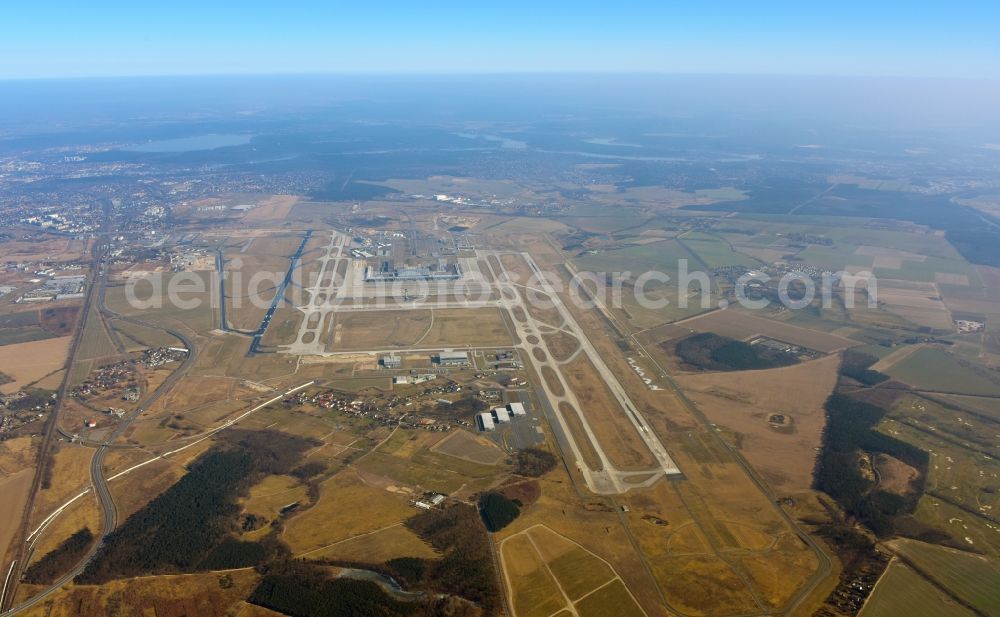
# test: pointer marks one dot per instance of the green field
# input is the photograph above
(96, 342)
(662, 256)
(714, 251)
(966, 576)
(960, 489)
(901, 591)
(143, 336)
(937, 370)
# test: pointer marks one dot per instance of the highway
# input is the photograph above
(96, 296)
(50, 432)
(110, 517)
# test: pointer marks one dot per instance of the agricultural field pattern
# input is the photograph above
(319, 360)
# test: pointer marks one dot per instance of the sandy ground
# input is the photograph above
(276, 207)
(743, 402)
(27, 362)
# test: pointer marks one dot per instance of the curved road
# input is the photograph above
(98, 479)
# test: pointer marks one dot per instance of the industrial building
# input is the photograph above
(516, 409)
(501, 415)
(453, 358)
(486, 421)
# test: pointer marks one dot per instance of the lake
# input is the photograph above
(191, 144)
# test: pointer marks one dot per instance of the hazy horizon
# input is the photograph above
(57, 38)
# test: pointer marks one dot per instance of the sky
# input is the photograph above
(62, 38)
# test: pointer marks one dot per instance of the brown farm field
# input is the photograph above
(14, 490)
(746, 403)
(25, 363)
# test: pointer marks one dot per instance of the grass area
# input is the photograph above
(612, 600)
(347, 507)
(13, 336)
(714, 251)
(379, 547)
(143, 336)
(662, 256)
(901, 591)
(533, 591)
(579, 572)
(969, 577)
(196, 313)
(271, 494)
(96, 342)
(935, 369)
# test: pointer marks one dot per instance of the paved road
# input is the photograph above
(99, 482)
(50, 432)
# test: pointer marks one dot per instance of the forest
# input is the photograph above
(849, 434)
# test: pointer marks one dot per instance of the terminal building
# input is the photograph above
(388, 273)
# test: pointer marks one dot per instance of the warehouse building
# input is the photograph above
(453, 358)
(501, 415)
(516, 409)
(486, 421)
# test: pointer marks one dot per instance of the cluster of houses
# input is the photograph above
(152, 358)
(378, 410)
(105, 378)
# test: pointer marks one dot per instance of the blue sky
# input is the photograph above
(54, 38)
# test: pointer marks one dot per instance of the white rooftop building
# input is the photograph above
(486, 421)
(516, 409)
(453, 358)
(501, 415)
